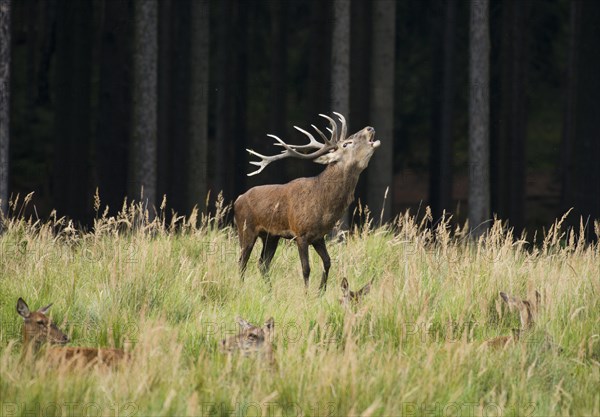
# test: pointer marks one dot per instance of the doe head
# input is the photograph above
(38, 327)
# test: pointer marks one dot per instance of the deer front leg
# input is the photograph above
(321, 249)
(269, 248)
(247, 243)
(303, 251)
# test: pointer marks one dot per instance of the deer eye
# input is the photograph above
(40, 322)
(345, 144)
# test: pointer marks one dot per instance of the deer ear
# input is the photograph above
(23, 308)
(504, 296)
(328, 158)
(344, 285)
(270, 323)
(243, 323)
(365, 290)
(44, 310)
(538, 298)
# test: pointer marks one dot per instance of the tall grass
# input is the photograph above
(169, 291)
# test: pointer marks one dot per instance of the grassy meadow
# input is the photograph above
(168, 293)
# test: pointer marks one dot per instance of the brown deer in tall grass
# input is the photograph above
(305, 209)
(39, 329)
(252, 339)
(527, 310)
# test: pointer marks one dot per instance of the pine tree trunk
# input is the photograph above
(479, 117)
(340, 58)
(585, 153)
(570, 115)
(5, 6)
(224, 105)
(340, 67)
(72, 186)
(440, 182)
(277, 102)
(179, 106)
(114, 109)
(144, 113)
(198, 126)
(380, 172)
(508, 153)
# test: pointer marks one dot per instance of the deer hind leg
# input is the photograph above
(303, 251)
(321, 249)
(269, 248)
(247, 241)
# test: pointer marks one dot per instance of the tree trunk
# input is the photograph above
(277, 102)
(5, 6)
(570, 115)
(114, 109)
(237, 142)
(361, 35)
(71, 187)
(440, 180)
(144, 112)
(340, 66)
(380, 171)
(319, 66)
(585, 180)
(479, 117)
(165, 75)
(340, 58)
(197, 180)
(179, 106)
(509, 148)
(224, 114)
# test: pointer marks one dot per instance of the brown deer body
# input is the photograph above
(305, 209)
(38, 329)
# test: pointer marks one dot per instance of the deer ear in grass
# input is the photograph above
(23, 308)
(344, 286)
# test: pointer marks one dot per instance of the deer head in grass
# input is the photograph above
(40, 330)
(251, 339)
(305, 209)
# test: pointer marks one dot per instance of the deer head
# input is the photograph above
(251, 339)
(39, 328)
(347, 151)
(526, 308)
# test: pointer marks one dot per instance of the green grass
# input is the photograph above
(413, 347)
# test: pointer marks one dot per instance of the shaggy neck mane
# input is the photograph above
(337, 185)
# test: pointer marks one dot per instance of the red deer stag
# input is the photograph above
(305, 209)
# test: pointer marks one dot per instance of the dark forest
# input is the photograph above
(118, 94)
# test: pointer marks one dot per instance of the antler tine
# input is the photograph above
(344, 127)
(322, 135)
(312, 144)
(334, 137)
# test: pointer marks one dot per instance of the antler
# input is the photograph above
(292, 150)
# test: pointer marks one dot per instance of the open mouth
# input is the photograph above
(374, 143)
